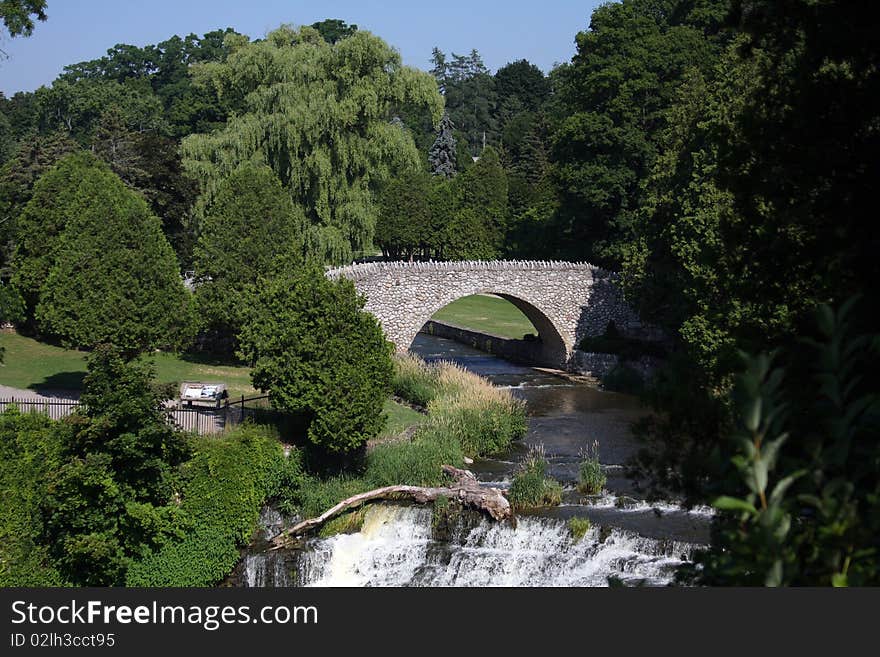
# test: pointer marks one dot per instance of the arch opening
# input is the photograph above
(501, 324)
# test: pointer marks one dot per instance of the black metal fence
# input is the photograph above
(54, 409)
(204, 420)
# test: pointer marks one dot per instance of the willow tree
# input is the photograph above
(319, 115)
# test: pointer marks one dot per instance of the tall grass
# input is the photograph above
(591, 478)
(531, 487)
(467, 415)
(483, 419)
(415, 380)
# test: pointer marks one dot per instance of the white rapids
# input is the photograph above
(395, 548)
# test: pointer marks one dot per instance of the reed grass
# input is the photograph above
(531, 487)
(483, 419)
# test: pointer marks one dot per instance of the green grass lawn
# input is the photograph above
(486, 314)
(400, 417)
(34, 365)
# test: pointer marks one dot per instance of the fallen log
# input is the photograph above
(466, 490)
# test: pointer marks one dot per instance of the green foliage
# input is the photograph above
(482, 217)
(334, 29)
(414, 380)
(28, 450)
(34, 156)
(225, 485)
(314, 496)
(319, 116)
(531, 487)
(250, 230)
(108, 502)
(112, 277)
(805, 511)
(52, 204)
(591, 478)
(11, 309)
(481, 418)
(579, 528)
(17, 15)
(316, 351)
(611, 103)
(404, 224)
(469, 92)
(416, 463)
(347, 523)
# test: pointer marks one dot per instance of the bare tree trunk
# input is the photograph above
(466, 490)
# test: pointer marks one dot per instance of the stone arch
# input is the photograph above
(564, 300)
(551, 349)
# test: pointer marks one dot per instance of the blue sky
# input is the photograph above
(78, 30)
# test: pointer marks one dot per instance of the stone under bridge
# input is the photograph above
(564, 300)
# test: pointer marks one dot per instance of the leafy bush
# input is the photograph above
(316, 351)
(805, 511)
(28, 451)
(226, 484)
(591, 478)
(531, 487)
(109, 500)
(579, 527)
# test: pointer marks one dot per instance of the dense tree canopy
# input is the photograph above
(106, 273)
(320, 116)
(334, 29)
(250, 230)
(18, 15)
(611, 110)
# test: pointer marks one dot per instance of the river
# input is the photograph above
(631, 541)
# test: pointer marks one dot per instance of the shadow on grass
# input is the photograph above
(210, 359)
(59, 381)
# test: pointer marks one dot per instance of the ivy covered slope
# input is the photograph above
(224, 486)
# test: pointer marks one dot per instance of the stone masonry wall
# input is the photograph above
(565, 301)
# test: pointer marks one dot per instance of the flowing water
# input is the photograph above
(630, 541)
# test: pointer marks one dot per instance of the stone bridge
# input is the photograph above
(565, 301)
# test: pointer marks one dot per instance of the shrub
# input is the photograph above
(226, 484)
(316, 351)
(591, 478)
(28, 451)
(531, 487)
(579, 527)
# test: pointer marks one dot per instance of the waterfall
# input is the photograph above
(262, 567)
(395, 548)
